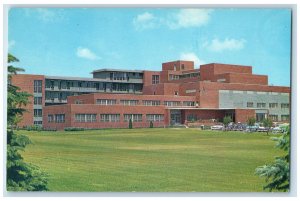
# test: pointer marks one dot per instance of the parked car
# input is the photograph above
(277, 129)
(262, 129)
(217, 127)
(251, 128)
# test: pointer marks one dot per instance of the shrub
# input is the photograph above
(251, 121)
(151, 124)
(73, 129)
(226, 121)
(130, 124)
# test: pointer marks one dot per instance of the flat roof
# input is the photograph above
(71, 78)
(116, 70)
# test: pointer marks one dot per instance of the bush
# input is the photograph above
(34, 128)
(251, 121)
(73, 129)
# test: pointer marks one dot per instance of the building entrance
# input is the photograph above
(175, 117)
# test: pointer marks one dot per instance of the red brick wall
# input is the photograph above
(85, 98)
(188, 65)
(208, 71)
(57, 109)
(161, 89)
(242, 78)
(26, 83)
(242, 115)
(71, 110)
(148, 77)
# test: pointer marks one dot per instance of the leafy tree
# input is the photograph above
(21, 176)
(251, 121)
(151, 124)
(130, 124)
(267, 122)
(226, 121)
(278, 173)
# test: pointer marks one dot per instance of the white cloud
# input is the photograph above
(190, 56)
(184, 18)
(86, 53)
(217, 45)
(145, 21)
(11, 44)
(190, 18)
(45, 14)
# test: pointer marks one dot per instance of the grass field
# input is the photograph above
(151, 160)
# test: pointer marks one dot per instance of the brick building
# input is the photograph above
(179, 94)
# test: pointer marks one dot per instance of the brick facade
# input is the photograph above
(178, 81)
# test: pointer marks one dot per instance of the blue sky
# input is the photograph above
(76, 41)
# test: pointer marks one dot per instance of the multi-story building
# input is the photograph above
(176, 95)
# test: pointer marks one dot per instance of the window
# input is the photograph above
(285, 117)
(85, 117)
(285, 105)
(37, 85)
(109, 117)
(129, 102)
(155, 79)
(273, 105)
(50, 118)
(37, 112)
(106, 101)
(155, 117)
(188, 103)
(182, 66)
(249, 104)
(273, 117)
(37, 100)
(133, 117)
(78, 101)
(151, 102)
(192, 117)
(38, 123)
(59, 118)
(261, 105)
(172, 103)
(176, 93)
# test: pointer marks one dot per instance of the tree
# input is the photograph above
(267, 122)
(251, 121)
(130, 124)
(21, 176)
(151, 124)
(226, 121)
(278, 172)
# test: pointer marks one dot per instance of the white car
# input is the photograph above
(262, 129)
(217, 127)
(276, 130)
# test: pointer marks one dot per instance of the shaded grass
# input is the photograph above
(151, 160)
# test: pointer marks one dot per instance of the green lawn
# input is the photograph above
(151, 160)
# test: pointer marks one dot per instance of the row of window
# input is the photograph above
(57, 118)
(271, 105)
(145, 102)
(60, 118)
(253, 92)
(283, 117)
